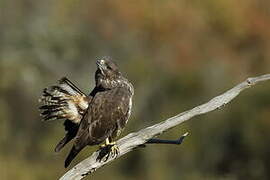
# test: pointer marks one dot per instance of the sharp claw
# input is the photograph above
(115, 150)
(108, 149)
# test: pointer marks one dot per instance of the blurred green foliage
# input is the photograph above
(178, 54)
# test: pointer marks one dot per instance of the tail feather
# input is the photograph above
(72, 129)
(72, 154)
(62, 143)
(63, 101)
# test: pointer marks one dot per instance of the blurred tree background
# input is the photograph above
(178, 54)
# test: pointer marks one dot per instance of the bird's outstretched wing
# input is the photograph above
(63, 101)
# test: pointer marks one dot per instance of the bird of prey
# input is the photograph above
(90, 119)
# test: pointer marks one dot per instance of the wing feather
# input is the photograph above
(63, 101)
(106, 116)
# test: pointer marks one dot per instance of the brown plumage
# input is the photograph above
(108, 110)
(64, 101)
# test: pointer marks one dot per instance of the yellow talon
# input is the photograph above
(111, 148)
(107, 143)
(115, 150)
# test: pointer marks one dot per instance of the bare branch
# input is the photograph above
(165, 141)
(135, 139)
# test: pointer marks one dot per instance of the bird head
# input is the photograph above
(107, 74)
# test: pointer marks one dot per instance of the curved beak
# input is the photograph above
(101, 65)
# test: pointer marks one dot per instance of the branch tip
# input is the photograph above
(186, 134)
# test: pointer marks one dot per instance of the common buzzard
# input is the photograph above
(90, 119)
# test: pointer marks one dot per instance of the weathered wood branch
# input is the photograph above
(165, 141)
(136, 139)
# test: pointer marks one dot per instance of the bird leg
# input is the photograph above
(107, 149)
(107, 142)
(112, 145)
